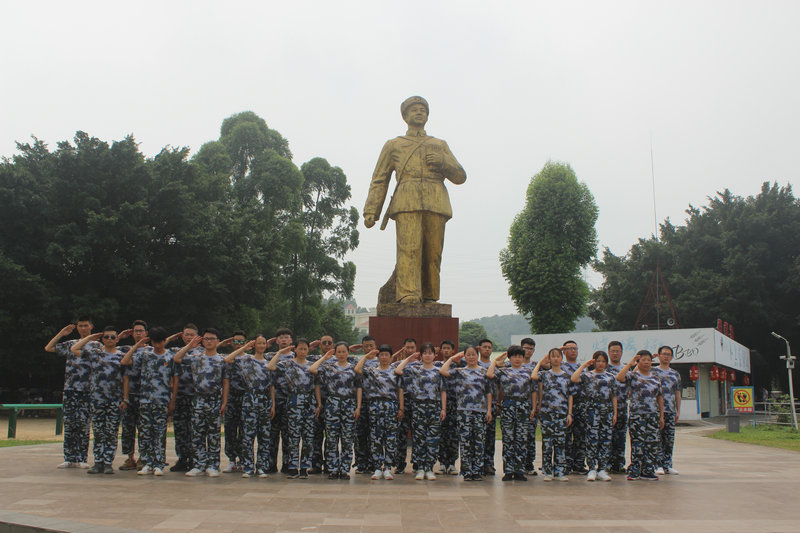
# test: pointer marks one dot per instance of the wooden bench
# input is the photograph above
(14, 408)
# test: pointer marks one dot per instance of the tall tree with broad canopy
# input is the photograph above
(738, 259)
(550, 241)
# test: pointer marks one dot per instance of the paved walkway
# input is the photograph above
(723, 487)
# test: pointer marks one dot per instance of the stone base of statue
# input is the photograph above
(421, 310)
(393, 330)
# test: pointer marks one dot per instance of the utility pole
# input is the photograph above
(789, 367)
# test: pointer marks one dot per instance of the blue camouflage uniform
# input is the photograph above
(490, 435)
(670, 388)
(404, 429)
(472, 387)
(448, 437)
(576, 433)
(155, 390)
(106, 397)
(233, 413)
(599, 389)
(182, 415)
(300, 407)
(341, 384)
(361, 446)
(207, 373)
(556, 389)
(130, 417)
(530, 445)
(644, 421)
(256, 407)
(76, 402)
(426, 423)
(382, 387)
(515, 415)
(620, 432)
(279, 431)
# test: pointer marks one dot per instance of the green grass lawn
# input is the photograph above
(16, 442)
(765, 435)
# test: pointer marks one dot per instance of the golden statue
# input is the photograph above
(420, 205)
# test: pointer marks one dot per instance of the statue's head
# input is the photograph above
(412, 108)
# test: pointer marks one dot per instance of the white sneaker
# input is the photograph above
(194, 472)
(420, 475)
(145, 471)
(262, 474)
(387, 474)
(671, 471)
(212, 472)
(451, 470)
(562, 478)
(430, 476)
(230, 468)
(82, 466)
(659, 471)
(378, 474)
(245, 475)
(547, 478)
(603, 476)
(158, 472)
(67, 464)
(592, 475)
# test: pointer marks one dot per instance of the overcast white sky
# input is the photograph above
(510, 84)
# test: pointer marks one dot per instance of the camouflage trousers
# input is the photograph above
(182, 427)
(205, 430)
(299, 427)
(490, 436)
(383, 432)
(618, 437)
(256, 424)
(234, 430)
(598, 437)
(318, 450)
(152, 432)
(666, 437)
(576, 437)
(105, 426)
(448, 438)
(361, 447)
(427, 427)
(77, 422)
(554, 437)
(130, 425)
(472, 435)
(340, 425)
(403, 429)
(279, 432)
(530, 445)
(645, 445)
(515, 415)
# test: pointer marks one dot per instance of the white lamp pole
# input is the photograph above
(789, 366)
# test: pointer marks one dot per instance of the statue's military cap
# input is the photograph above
(408, 102)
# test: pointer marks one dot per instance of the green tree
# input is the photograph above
(470, 333)
(549, 243)
(737, 259)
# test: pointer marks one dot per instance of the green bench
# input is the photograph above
(14, 408)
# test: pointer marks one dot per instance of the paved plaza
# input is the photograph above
(723, 487)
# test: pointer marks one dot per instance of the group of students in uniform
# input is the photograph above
(321, 408)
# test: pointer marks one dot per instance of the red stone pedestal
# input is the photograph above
(393, 330)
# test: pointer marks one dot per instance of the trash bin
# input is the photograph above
(732, 422)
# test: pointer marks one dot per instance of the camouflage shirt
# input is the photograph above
(471, 386)
(380, 383)
(599, 387)
(426, 382)
(255, 374)
(341, 381)
(107, 372)
(515, 382)
(670, 387)
(155, 375)
(78, 370)
(556, 390)
(644, 392)
(206, 372)
(298, 380)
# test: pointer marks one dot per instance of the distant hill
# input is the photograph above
(501, 327)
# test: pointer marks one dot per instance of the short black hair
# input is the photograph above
(213, 331)
(283, 331)
(157, 334)
(428, 346)
(409, 339)
(110, 328)
(341, 343)
(643, 353)
(367, 338)
(139, 323)
(190, 325)
(515, 350)
(239, 332)
(385, 348)
(671, 351)
(84, 318)
(528, 340)
(485, 340)
(569, 342)
(614, 343)
(301, 340)
(449, 343)
(600, 353)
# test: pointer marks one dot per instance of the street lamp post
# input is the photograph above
(789, 366)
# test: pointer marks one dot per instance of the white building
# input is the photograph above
(704, 348)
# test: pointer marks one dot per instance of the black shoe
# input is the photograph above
(488, 471)
(344, 475)
(509, 477)
(314, 470)
(520, 477)
(361, 471)
(291, 473)
(272, 470)
(303, 473)
(580, 470)
(97, 468)
(477, 477)
(649, 477)
(180, 466)
(333, 475)
(467, 477)
(108, 469)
